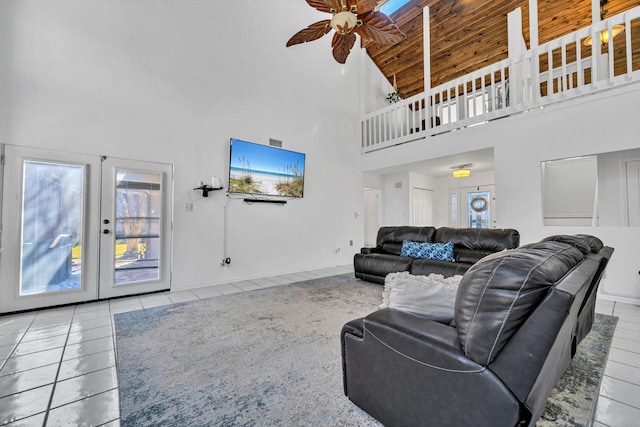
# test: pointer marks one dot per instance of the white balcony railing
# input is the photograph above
(562, 69)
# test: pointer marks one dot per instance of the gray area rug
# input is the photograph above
(272, 357)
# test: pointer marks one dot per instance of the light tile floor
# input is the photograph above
(58, 365)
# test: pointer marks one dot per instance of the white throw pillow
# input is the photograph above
(431, 296)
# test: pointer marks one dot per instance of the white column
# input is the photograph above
(517, 49)
(595, 11)
(600, 67)
(533, 24)
(427, 48)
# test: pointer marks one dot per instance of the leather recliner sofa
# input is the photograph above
(517, 317)
(470, 245)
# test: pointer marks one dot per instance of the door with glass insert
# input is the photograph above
(49, 240)
(478, 209)
(135, 227)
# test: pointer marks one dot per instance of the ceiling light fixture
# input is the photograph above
(462, 171)
(604, 34)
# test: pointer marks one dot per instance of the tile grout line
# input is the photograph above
(55, 380)
(623, 381)
(13, 349)
(617, 401)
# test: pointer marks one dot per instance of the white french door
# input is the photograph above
(53, 237)
(136, 227)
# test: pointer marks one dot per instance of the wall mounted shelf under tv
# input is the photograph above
(275, 202)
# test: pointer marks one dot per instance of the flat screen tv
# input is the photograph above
(263, 170)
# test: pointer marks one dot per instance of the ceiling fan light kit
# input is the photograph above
(344, 22)
(349, 17)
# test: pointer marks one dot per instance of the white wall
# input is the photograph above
(396, 199)
(612, 184)
(591, 125)
(171, 81)
(375, 86)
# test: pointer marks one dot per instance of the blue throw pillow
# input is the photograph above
(436, 251)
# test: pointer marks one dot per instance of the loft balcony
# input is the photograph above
(594, 59)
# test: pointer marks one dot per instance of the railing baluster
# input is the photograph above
(504, 83)
(565, 85)
(627, 26)
(550, 90)
(580, 68)
(611, 55)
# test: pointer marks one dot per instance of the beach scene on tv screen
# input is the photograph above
(263, 170)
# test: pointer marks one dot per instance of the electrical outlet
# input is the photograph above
(188, 207)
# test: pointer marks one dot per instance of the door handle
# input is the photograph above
(105, 221)
(105, 232)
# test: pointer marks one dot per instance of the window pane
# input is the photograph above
(137, 228)
(391, 6)
(51, 235)
(479, 209)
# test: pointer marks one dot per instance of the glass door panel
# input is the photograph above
(479, 209)
(137, 238)
(52, 224)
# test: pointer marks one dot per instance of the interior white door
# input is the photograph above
(50, 229)
(136, 224)
(423, 207)
(371, 215)
(633, 192)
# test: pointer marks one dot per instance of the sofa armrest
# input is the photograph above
(354, 327)
(405, 370)
(418, 339)
(376, 250)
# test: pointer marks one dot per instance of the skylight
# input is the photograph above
(390, 6)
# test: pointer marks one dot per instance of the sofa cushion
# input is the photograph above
(575, 241)
(432, 297)
(393, 248)
(390, 238)
(499, 292)
(486, 239)
(435, 251)
(470, 256)
(424, 267)
(594, 243)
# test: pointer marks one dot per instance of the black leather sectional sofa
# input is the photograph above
(470, 245)
(519, 315)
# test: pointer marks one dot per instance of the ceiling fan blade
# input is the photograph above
(379, 28)
(312, 32)
(325, 5)
(342, 45)
(364, 6)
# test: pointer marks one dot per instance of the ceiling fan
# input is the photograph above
(349, 17)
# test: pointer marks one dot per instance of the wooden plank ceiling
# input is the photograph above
(467, 35)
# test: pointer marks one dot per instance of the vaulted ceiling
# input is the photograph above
(467, 35)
